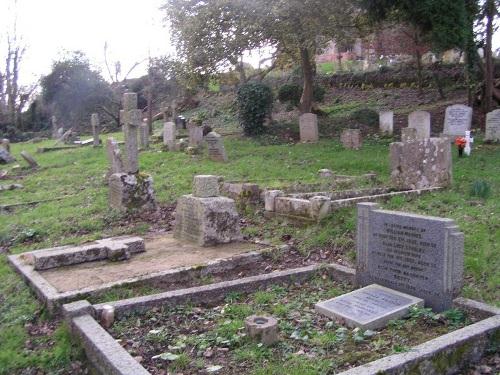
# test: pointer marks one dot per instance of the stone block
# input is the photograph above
(270, 197)
(351, 138)
(205, 186)
(206, 221)
(408, 134)
(131, 191)
(308, 124)
(262, 328)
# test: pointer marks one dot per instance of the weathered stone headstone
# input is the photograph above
(493, 126)
(114, 157)
(144, 136)
(96, 128)
(421, 121)
(55, 128)
(131, 122)
(169, 135)
(207, 220)
(5, 156)
(32, 162)
(408, 134)
(457, 120)
(414, 254)
(421, 164)
(386, 122)
(128, 192)
(308, 125)
(371, 307)
(215, 145)
(351, 138)
(195, 136)
(5, 143)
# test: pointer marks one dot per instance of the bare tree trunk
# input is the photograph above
(488, 76)
(308, 73)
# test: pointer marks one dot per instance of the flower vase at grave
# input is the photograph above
(460, 142)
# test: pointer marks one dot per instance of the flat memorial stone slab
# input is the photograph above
(371, 307)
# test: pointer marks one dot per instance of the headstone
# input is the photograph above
(371, 307)
(96, 128)
(55, 128)
(421, 121)
(351, 138)
(169, 135)
(414, 254)
(32, 162)
(114, 157)
(5, 156)
(386, 122)
(5, 143)
(206, 221)
(421, 164)
(205, 186)
(308, 124)
(144, 136)
(457, 120)
(493, 126)
(408, 134)
(131, 122)
(129, 192)
(216, 150)
(195, 136)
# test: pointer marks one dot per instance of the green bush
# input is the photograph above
(365, 116)
(318, 93)
(255, 101)
(292, 92)
(480, 189)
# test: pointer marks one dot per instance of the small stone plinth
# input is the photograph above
(206, 221)
(262, 328)
(131, 191)
(205, 186)
(370, 307)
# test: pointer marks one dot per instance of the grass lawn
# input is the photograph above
(83, 215)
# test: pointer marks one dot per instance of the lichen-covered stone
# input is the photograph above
(131, 191)
(206, 221)
(205, 186)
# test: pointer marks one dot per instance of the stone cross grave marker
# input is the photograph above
(414, 254)
(96, 128)
(421, 121)
(169, 135)
(386, 122)
(371, 307)
(457, 120)
(308, 124)
(216, 150)
(131, 122)
(351, 138)
(493, 126)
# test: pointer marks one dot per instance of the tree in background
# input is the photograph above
(489, 13)
(212, 35)
(73, 90)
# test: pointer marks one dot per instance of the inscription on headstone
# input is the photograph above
(493, 126)
(414, 254)
(421, 121)
(457, 120)
(370, 307)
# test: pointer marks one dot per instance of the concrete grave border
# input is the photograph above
(445, 354)
(53, 299)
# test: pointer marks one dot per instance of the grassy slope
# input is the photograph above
(85, 216)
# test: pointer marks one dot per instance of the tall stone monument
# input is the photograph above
(386, 122)
(204, 217)
(414, 254)
(96, 128)
(130, 190)
(421, 163)
(493, 126)
(308, 124)
(421, 121)
(458, 119)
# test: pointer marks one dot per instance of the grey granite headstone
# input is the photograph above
(493, 126)
(195, 136)
(308, 124)
(371, 307)
(414, 254)
(169, 135)
(386, 122)
(215, 144)
(421, 121)
(457, 120)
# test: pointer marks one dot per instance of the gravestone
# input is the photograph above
(144, 136)
(96, 128)
(351, 138)
(421, 164)
(131, 122)
(204, 217)
(386, 122)
(457, 120)
(371, 307)
(114, 157)
(29, 159)
(493, 126)
(308, 124)
(55, 128)
(5, 144)
(169, 135)
(215, 145)
(5, 156)
(195, 136)
(408, 134)
(414, 254)
(421, 121)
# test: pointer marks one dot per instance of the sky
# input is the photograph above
(133, 30)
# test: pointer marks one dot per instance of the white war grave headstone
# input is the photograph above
(386, 122)
(421, 121)
(457, 120)
(493, 126)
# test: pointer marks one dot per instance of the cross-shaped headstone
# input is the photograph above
(131, 119)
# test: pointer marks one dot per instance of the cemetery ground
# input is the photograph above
(72, 208)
